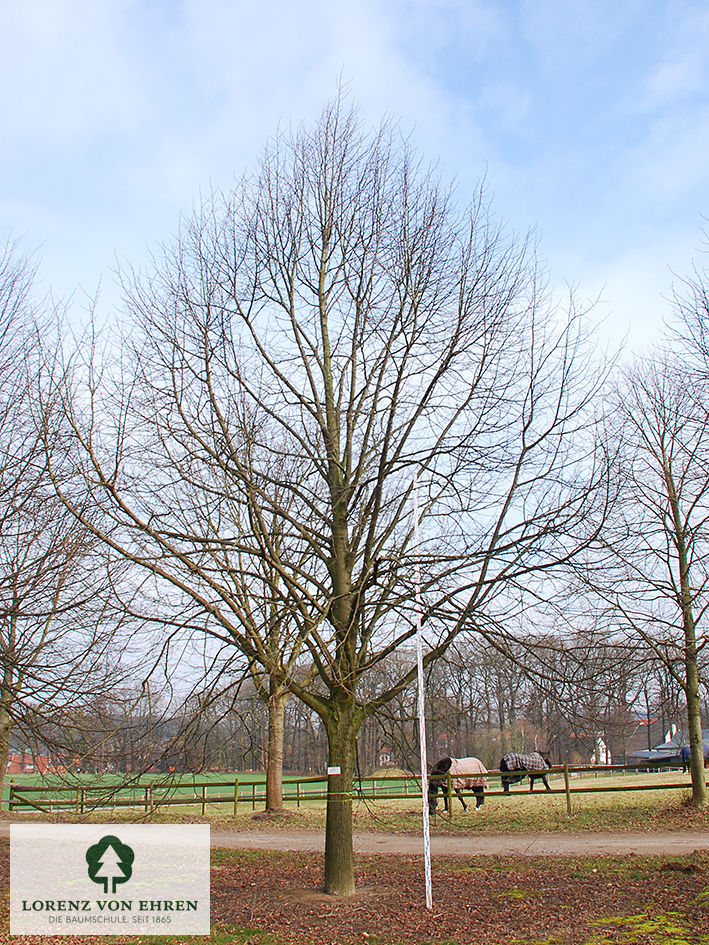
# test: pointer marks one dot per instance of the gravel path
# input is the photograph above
(520, 844)
(517, 844)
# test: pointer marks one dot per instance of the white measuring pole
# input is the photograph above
(421, 711)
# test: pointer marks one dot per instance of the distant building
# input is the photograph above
(386, 757)
(25, 762)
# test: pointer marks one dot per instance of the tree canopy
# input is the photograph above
(309, 344)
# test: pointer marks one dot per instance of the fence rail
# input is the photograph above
(153, 795)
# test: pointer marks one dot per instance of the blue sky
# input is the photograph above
(589, 120)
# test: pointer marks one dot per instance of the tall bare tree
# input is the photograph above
(264, 594)
(54, 618)
(309, 343)
(654, 575)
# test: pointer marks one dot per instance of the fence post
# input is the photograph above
(297, 794)
(567, 787)
(204, 798)
(449, 791)
(236, 795)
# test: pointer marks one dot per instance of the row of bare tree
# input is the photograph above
(478, 700)
(58, 628)
(237, 461)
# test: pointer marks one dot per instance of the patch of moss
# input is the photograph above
(671, 928)
(633, 866)
(447, 941)
(226, 856)
(518, 892)
(552, 940)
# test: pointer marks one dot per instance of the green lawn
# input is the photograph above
(88, 790)
(625, 808)
(131, 792)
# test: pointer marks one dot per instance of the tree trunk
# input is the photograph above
(5, 729)
(278, 697)
(342, 727)
(694, 720)
(691, 689)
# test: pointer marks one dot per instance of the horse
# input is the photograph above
(468, 774)
(685, 756)
(532, 761)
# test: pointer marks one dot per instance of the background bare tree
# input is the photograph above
(55, 621)
(309, 343)
(654, 574)
(264, 596)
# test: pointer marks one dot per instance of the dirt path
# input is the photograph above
(520, 844)
(514, 844)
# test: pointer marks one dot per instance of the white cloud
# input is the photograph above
(633, 287)
(122, 110)
(72, 73)
(683, 68)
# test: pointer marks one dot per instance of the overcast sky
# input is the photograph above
(589, 120)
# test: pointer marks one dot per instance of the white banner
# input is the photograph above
(109, 879)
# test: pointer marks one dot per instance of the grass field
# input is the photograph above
(178, 787)
(114, 790)
(624, 808)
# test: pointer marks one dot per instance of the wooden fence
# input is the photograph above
(154, 795)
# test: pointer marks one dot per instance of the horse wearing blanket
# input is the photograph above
(467, 774)
(532, 761)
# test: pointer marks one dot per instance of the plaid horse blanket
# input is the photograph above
(531, 761)
(467, 773)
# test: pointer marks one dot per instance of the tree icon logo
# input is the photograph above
(110, 862)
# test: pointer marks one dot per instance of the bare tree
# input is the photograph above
(654, 574)
(264, 595)
(310, 342)
(54, 617)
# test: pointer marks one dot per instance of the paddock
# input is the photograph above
(229, 795)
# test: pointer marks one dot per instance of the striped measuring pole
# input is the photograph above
(421, 712)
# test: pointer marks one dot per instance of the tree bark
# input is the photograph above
(5, 729)
(694, 720)
(342, 727)
(278, 697)
(691, 689)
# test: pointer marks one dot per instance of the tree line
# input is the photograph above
(479, 701)
(220, 487)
